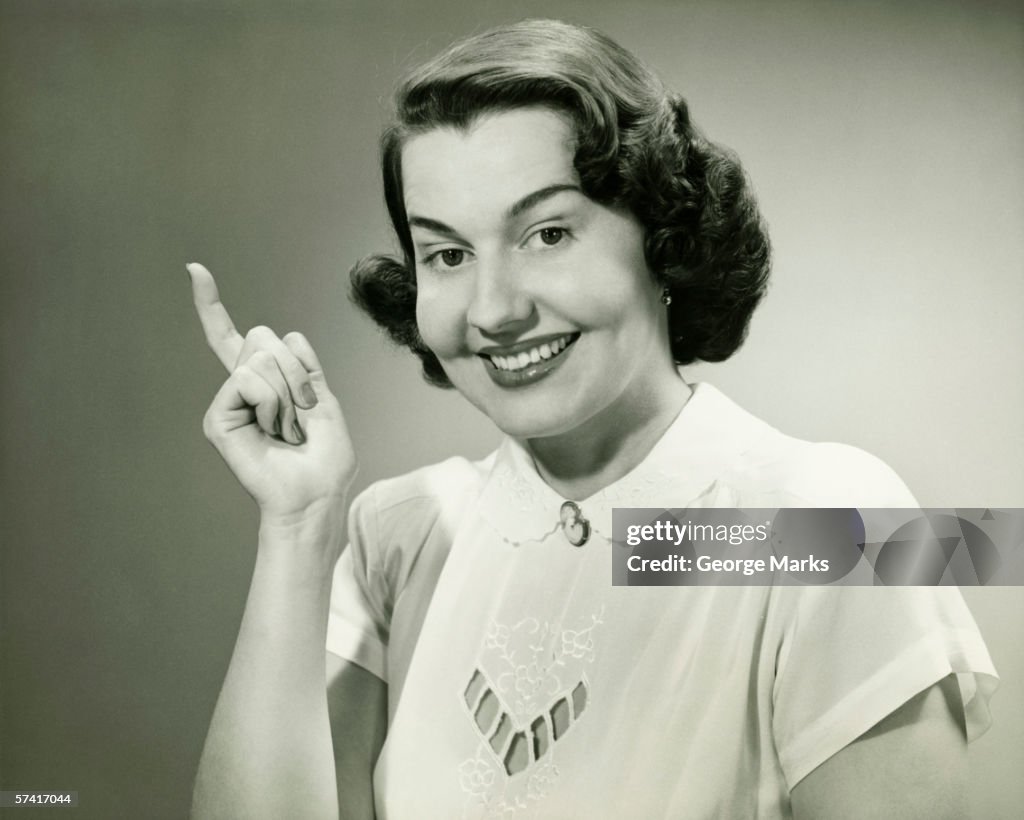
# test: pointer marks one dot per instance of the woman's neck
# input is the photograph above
(606, 447)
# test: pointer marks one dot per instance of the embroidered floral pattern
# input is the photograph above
(477, 774)
(579, 643)
(541, 780)
(497, 638)
(516, 486)
(528, 680)
(527, 693)
(642, 485)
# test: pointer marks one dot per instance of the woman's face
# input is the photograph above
(536, 300)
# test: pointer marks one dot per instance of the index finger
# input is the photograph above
(221, 336)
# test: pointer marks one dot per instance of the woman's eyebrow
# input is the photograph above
(538, 196)
(433, 225)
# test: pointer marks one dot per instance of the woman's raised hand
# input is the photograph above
(274, 421)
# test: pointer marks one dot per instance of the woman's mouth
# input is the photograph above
(526, 363)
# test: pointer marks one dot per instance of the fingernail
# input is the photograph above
(298, 432)
(188, 270)
(308, 395)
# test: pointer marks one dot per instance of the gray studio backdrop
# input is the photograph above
(884, 139)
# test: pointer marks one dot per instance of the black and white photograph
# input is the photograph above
(372, 372)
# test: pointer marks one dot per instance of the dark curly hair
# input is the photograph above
(636, 148)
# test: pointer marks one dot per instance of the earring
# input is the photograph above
(666, 297)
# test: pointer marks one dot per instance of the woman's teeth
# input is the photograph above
(518, 361)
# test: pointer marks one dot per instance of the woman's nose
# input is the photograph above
(499, 299)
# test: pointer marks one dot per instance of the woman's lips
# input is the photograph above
(530, 363)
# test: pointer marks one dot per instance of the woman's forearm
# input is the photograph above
(268, 752)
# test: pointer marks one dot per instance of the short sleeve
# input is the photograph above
(400, 531)
(839, 475)
(358, 620)
(848, 657)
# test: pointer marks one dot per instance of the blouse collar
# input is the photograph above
(703, 441)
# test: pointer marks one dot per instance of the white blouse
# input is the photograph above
(522, 683)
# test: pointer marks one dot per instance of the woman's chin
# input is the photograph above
(531, 423)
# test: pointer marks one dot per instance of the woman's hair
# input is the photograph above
(635, 148)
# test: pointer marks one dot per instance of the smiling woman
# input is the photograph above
(568, 238)
(538, 265)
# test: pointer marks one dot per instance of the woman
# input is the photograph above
(568, 238)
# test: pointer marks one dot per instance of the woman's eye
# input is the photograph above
(547, 237)
(448, 258)
(452, 257)
(551, 236)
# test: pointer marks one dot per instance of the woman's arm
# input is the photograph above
(268, 752)
(357, 703)
(912, 764)
(280, 429)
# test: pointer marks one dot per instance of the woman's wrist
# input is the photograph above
(309, 540)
